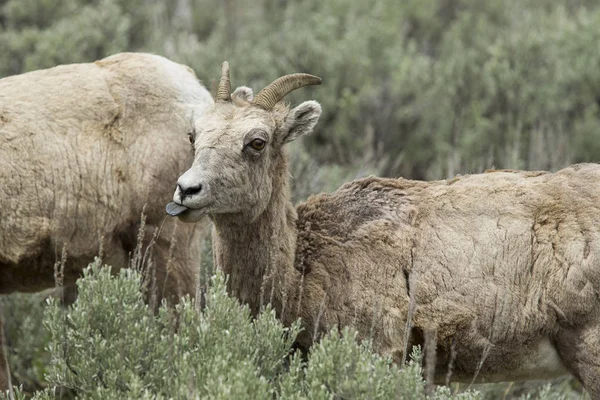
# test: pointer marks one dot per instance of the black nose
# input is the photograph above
(189, 191)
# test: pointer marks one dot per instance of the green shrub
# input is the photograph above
(420, 88)
(427, 89)
(109, 345)
(340, 368)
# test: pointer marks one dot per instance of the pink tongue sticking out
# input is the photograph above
(174, 209)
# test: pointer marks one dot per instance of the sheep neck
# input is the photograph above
(259, 256)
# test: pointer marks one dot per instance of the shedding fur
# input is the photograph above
(500, 269)
(83, 149)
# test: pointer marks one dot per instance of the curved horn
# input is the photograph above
(224, 90)
(272, 94)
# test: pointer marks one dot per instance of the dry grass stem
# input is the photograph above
(412, 305)
(100, 246)
(319, 315)
(430, 348)
(136, 260)
(484, 354)
(376, 313)
(169, 264)
(263, 285)
(59, 268)
(451, 363)
(301, 290)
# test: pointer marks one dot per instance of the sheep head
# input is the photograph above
(238, 146)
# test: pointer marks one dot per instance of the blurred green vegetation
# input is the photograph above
(26, 339)
(423, 89)
(418, 88)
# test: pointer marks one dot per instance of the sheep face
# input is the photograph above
(238, 150)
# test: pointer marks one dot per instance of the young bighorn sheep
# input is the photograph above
(83, 149)
(502, 269)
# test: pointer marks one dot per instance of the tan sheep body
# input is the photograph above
(501, 268)
(83, 148)
(502, 264)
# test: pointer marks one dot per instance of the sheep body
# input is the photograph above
(501, 265)
(84, 150)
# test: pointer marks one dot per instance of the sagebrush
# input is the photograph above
(110, 345)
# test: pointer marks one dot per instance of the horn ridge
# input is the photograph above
(279, 88)
(224, 89)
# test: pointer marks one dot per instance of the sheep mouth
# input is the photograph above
(174, 209)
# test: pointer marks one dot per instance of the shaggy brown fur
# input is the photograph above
(502, 267)
(83, 148)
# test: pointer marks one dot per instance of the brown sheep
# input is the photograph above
(83, 148)
(500, 269)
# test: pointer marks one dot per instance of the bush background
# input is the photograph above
(418, 88)
(423, 89)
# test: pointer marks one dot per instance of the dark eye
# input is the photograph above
(191, 137)
(258, 144)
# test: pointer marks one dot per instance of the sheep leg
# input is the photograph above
(4, 370)
(579, 349)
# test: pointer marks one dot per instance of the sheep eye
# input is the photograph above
(191, 137)
(258, 144)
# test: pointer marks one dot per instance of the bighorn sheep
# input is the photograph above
(83, 148)
(501, 268)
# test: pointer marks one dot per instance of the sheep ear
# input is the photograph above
(243, 93)
(300, 121)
